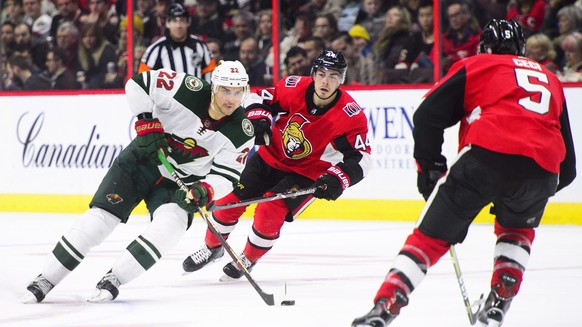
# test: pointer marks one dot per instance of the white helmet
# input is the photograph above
(230, 73)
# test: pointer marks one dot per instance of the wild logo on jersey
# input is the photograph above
(185, 150)
(295, 145)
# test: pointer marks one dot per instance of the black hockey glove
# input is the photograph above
(428, 175)
(331, 184)
(199, 195)
(150, 137)
(262, 119)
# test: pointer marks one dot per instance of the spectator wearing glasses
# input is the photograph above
(57, 73)
(326, 28)
(461, 38)
(243, 26)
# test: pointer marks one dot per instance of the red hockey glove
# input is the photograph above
(428, 175)
(199, 195)
(262, 119)
(331, 184)
(150, 137)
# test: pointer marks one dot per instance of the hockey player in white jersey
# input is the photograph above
(207, 137)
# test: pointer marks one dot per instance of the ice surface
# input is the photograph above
(332, 270)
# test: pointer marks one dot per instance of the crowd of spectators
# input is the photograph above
(83, 44)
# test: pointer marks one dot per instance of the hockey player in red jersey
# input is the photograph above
(515, 151)
(319, 138)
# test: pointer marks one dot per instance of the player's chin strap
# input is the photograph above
(277, 196)
(268, 298)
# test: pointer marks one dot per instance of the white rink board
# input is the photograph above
(95, 127)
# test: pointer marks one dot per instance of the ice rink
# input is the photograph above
(332, 270)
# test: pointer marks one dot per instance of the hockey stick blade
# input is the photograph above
(269, 299)
(278, 196)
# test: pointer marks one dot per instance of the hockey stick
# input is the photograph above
(472, 315)
(278, 196)
(268, 298)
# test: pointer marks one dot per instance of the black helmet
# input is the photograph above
(177, 10)
(502, 37)
(329, 59)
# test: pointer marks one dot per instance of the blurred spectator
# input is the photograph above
(99, 14)
(243, 26)
(296, 62)
(22, 77)
(95, 58)
(57, 73)
(40, 23)
(540, 48)
(24, 52)
(255, 67)
(462, 36)
(361, 70)
(348, 15)
(216, 47)
(372, 18)
(387, 50)
(207, 21)
(315, 8)
(572, 46)
(313, 47)
(264, 35)
(67, 39)
(326, 28)
(148, 15)
(419, 52)
(13, 12)
(550, 24)
(569, 21)
(69, 11)
(154, 22)
(117, 77)
(138, 52)
(412, 7)
(38, 47)
(528, 13)
(301, 31)
(361, 38)
(178, 50)
(7, 37)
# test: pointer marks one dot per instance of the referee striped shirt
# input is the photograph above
(191, 56)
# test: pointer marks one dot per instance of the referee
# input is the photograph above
(178, 50)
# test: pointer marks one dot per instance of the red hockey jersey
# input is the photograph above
(505, 104)
(308, 140)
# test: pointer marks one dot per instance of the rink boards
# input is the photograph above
(57, 149)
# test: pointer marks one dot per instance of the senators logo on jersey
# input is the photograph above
(295, 145)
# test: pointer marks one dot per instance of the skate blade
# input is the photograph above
(101, 296)
(28, 298)
(227, 278)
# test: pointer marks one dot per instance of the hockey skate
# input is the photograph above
(201, 258)
(107, 289)
(38, 289)
(498, 302)
(232, 271)
(384, 311)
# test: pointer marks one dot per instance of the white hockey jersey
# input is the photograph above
(213, 151)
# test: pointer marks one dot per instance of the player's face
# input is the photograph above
(227, 100)
(326, 82)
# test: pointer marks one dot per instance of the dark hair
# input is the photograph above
(295, 51)
(343, 36)
(19, 61)
(59, 54)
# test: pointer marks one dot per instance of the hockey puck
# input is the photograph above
(288, 302)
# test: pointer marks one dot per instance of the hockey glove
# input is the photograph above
(331, 184)
(199, 195)
(428, 175)
(261, 117)
(150, 137)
